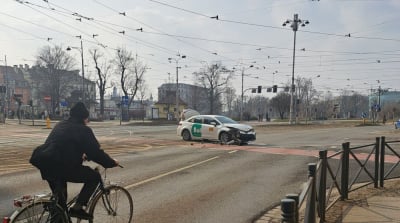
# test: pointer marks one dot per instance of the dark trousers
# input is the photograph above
(82, 174)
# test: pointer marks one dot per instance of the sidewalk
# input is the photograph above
(365, 205)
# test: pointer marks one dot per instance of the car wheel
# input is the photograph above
(186, 135)
(225, 137)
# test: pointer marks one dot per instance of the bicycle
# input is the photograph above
(110, 203)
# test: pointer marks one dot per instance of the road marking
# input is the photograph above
(233, 151)
(169, 173)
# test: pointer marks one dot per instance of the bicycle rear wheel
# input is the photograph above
(114, 204)
(40, 212)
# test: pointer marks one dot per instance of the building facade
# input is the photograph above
(190, 96)
(32, 92)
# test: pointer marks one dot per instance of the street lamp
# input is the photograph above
(241, 104)
(83, 66)
(295, 26)
(177, 81)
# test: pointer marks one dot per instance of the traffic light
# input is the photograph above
(274, 88)
(259, 89)
(30, 103)
(253, 90)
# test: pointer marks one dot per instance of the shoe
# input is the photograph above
(79, 213)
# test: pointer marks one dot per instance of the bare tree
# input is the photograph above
(131, 72)
(103, 68)
(214, 78)
(306, 93)
(57, 62)
(142, 91)
(281, 103)
(230, 97)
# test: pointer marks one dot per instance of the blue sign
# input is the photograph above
(363, 115)
(124, 100)
(376, 107)
(63, 104)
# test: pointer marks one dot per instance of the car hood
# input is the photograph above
(242, 127)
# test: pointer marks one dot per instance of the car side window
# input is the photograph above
(197, 120)
(214, 122)
(207, 121)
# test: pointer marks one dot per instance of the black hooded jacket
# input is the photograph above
(72, 138)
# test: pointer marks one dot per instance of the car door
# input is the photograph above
(196, 128)
(209, 131)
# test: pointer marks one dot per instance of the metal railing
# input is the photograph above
(367, 163)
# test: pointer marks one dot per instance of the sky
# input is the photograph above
(347, 45)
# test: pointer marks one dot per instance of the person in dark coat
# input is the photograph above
(75, 142)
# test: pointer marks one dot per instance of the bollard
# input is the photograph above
(288, 210)
(6, 220)
(48, 123)
(295, 197)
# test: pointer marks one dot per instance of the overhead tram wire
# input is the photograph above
(72, 14)
(179, 36)
(27, 4)
(166, 34)
(158, 30)
(38, 25)
(228, 41)
(47, 39)
(268, 26)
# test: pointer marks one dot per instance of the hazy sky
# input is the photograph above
(247, 32)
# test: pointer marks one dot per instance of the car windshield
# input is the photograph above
(225, 120)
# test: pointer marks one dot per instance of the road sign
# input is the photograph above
(124, 100)
(363, 115)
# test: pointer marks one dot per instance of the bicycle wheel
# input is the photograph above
(41, 212)
(114, 204)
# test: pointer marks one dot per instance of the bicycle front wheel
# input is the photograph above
(114, 204)
(40, 212)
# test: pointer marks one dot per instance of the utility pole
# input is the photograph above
(177, 82)
(295, 26)
(83, 68)
(242, 96)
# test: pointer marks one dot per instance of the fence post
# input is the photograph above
(382, 162)
(295, 197)
(377, 151)
(344, 186)
(309, 215)
(288, 210)
(322, 184)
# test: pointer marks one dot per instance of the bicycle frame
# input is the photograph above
(101, 190)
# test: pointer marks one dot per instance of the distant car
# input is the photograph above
(397, 124)
(215, 127)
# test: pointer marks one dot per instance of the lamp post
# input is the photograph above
(83, 67)
(241, 104)
(295, 26)
(177, 81)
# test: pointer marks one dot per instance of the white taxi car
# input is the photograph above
(215, 127)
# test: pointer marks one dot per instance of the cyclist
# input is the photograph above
(74, 142)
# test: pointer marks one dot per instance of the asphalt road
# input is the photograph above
(176, 181)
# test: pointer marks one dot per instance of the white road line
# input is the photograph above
(169, 173)
(233, 151)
